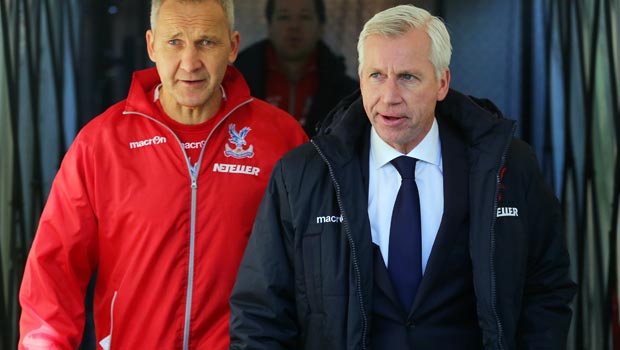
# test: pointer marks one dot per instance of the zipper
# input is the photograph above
(347, 230)
(192, 245)
(106, 342)
(194, 187)
(112, 312)
(498, 321)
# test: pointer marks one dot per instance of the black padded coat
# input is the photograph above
(306, 279)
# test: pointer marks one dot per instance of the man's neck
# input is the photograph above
(190, 115)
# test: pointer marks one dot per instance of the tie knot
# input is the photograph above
(405, 166)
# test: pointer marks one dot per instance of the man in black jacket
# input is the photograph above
(484, 263)
(294, 69)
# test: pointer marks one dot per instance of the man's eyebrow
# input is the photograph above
(170, 34)
(410, 71)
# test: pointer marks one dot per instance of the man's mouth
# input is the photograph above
(391, 117)
(192, 82)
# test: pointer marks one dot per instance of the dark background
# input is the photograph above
(553, 65)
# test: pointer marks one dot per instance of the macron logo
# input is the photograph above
(507, 211)
(327, 219)
(154, 141)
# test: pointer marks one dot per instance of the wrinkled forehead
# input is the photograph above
(211, 8)
(197, 17)
(402, 50)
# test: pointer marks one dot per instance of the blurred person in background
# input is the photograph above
(293, 68)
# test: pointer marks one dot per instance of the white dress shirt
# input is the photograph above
(384, 183)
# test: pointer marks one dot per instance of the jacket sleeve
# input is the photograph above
(262, 305)
(548, 289)
(61, 261)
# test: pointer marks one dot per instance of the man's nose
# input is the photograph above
(390, 91)
(190, 59)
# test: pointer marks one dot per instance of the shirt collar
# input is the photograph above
(158, 87)
(429, 150)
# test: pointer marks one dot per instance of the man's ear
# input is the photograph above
(150, 44)
(235, 39)
(444, 85)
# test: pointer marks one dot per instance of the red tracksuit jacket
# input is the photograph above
(166, 241)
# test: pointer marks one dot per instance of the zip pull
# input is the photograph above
(194, 183)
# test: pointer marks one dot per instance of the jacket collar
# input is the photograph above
(147, 79)
(479, 121)
(477, 118)
(341, 133)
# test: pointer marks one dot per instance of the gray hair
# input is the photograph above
(399, 20)
(227, 5)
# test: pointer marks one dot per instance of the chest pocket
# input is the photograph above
(325, 256)
(511, 239)
(311, 256)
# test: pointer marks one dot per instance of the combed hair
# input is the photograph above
(401, 19)
(227, 5)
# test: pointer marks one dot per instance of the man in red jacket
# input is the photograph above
(158, 195)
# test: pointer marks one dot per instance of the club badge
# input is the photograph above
(238, 139)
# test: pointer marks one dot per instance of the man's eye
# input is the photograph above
(173, 42)
(375, 75)
(407, 77)
(206, 42)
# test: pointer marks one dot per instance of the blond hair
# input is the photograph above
(227, 5)
(401, 19)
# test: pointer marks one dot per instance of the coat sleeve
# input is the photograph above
(548, 289)
(262, 304)
(60, 262)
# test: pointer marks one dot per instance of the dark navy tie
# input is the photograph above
(405, 252)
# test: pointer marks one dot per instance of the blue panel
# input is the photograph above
(557, 100)
(48, 118)
(577, 115)
(539, 89)
(70, 118)
(7, 148)
(604, 138)
(486, 60)
(26, 133)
